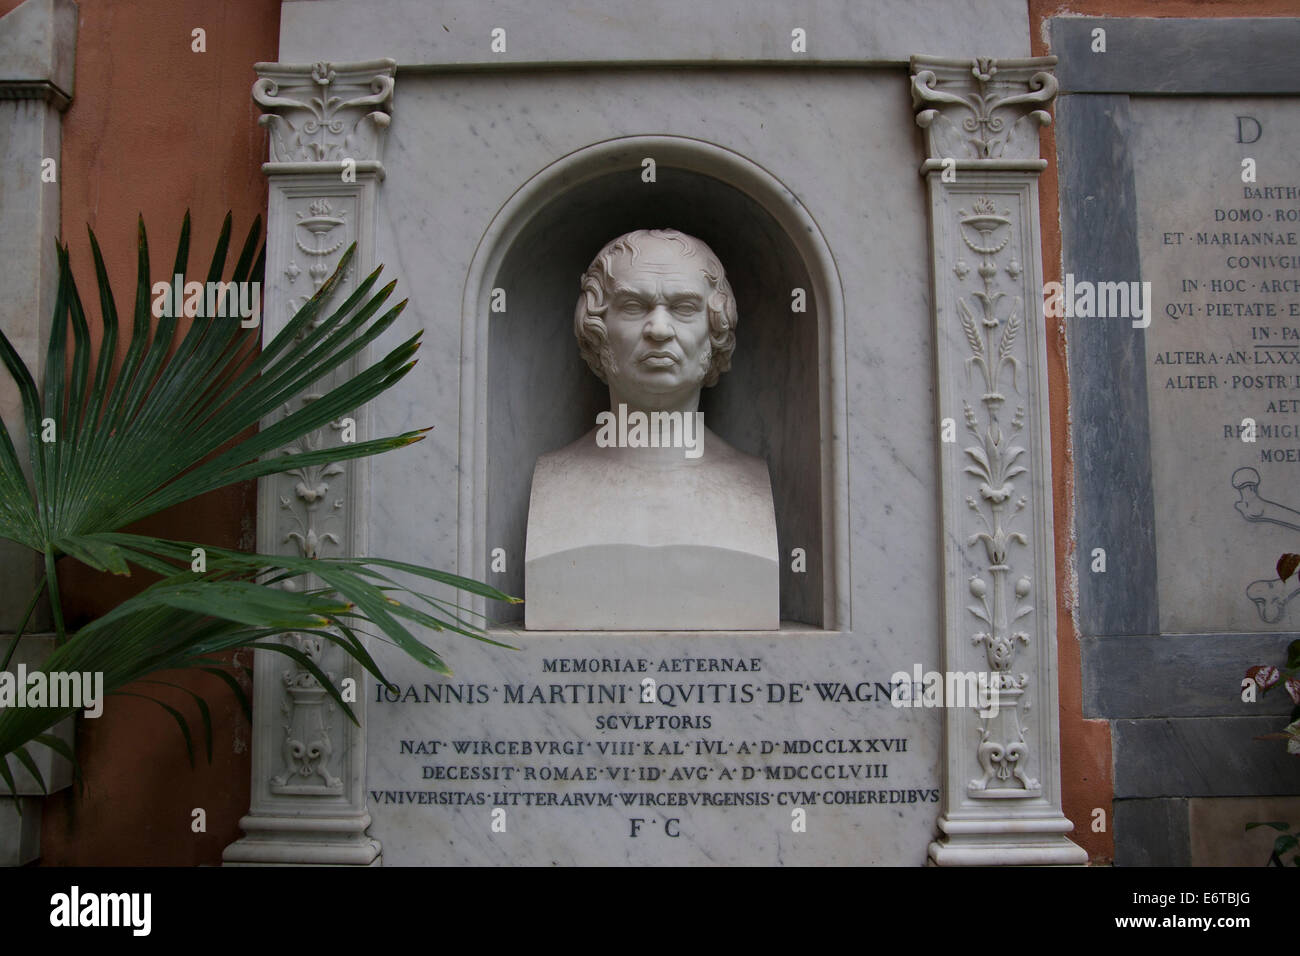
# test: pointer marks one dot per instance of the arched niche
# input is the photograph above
(527, 390)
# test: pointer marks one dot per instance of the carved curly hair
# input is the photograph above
(589, 316)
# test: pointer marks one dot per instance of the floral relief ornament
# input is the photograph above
(994, 460)
(307, 710)
(318, 220)
(311, 487)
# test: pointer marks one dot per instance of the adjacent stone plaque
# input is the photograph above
(1218, 199)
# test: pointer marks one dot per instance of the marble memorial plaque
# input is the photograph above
(1220, 244)
(737, 733)
(754, 734)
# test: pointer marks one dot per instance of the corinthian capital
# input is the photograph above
(982, 110)
(326, 112)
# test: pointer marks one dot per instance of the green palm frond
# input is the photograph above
(157, 436)
(176, 422)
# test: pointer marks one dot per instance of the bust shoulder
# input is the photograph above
(583, 494)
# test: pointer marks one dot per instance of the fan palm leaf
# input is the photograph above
(177, 421)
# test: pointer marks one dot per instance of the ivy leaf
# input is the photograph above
(1287, 564)
(1265, 675)
(1293, 690)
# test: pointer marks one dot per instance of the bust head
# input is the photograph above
(656, 318)
(633, 526)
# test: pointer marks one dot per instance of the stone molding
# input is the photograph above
(38, 42)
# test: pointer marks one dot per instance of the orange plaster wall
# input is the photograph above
(1086, 744)
(155, 128)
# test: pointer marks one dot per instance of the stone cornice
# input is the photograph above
(38, 42)
(34, 90)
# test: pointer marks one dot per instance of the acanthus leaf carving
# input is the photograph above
(326, 112)
(982, 108)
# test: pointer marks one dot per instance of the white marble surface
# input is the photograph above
(459, 33)
(29, 273)
(37, 47)
(618, 540)
(997, 526)
(886, 833)
(38, 42)
(844, 143)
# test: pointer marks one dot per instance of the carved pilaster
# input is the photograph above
(1002, 794)
(327, 124)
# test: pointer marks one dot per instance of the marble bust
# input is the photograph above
(650, 521)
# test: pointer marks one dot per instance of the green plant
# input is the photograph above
(1284, 844)
(172, 425)
(1268, 676)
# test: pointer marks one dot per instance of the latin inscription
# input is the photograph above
(1220, 242)
(650, 741)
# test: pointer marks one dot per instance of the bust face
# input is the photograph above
(657, 326)
(656, 320)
